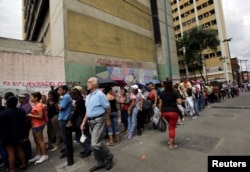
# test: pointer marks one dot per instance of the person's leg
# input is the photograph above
(125, 119)
(69, 145)
(134, 118)
(111, 130)
(116, 130)
(86, 145)
(56, 130)
(49, 133)
(11, 157)
(62, 125)
(4, 155)
(27, 144)
(172, 118)
(139, 123)
(21, 155)
(41, 145)
(129, 124)
(101, 153)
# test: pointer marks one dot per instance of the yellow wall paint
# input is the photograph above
(129, 10)
(87, 34)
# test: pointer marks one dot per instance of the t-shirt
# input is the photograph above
(37, 122)
(169, 101)
(138, 97)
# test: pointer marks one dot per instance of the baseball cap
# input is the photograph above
(134, 86)
(21, 96)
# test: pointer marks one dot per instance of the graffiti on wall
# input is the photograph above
(36, 84)
(119, 63)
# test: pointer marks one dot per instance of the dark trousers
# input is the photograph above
(66, 134)
(124, 118)
(27, 144)
(140, 121)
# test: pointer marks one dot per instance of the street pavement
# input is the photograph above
(221, 129)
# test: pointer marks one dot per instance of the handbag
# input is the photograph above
(162, 126)
(83, 137)
(147, 105)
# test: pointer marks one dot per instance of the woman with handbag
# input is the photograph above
(76, 118)
(168, 101)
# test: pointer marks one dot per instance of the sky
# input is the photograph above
(236, 13)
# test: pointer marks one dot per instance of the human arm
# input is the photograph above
(84, 122)
(160, 106)
(156, 97)
(37, 112)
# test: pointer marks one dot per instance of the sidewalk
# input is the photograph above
(222, 129)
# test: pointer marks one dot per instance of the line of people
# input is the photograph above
(96, 114)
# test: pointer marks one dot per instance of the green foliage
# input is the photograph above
(195, 41)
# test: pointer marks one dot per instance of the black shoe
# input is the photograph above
(62, 150)
(70, 163)
(64, 155)
(82, 153)
(139, 132)
(109, 163)
(86, 154)
(95, 168)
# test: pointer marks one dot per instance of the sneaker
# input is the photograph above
(129, 136)
(54, 149)
(194, 117)
(42, 159)
(37, 157)
(126, 135)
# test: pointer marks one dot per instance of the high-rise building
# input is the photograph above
(132, 40)
(205, 13)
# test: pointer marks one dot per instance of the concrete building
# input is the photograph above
(132, 40)
(206, 13)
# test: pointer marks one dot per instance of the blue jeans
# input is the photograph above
(114, 128)
(196, 107)
(86, 144)
(201, 103)
(132, 120)
(124, 116)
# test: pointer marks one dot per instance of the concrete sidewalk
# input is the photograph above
(222, 129)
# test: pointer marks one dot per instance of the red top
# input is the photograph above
(37, 122)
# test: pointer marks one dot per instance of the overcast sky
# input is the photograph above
(236, 12)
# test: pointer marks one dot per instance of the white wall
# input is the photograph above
(27, 72)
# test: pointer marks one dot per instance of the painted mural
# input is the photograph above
(129, 75)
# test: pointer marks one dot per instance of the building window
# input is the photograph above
(210, 2)
(199, 7)
(213, 22)
(212, 12)
(200, 17)
(204, 5)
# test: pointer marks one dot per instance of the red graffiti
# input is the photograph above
(117, 63)
(38, 84)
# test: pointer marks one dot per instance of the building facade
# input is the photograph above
(205, 13)
(131, 40)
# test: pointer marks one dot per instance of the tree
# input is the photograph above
(194, 42)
